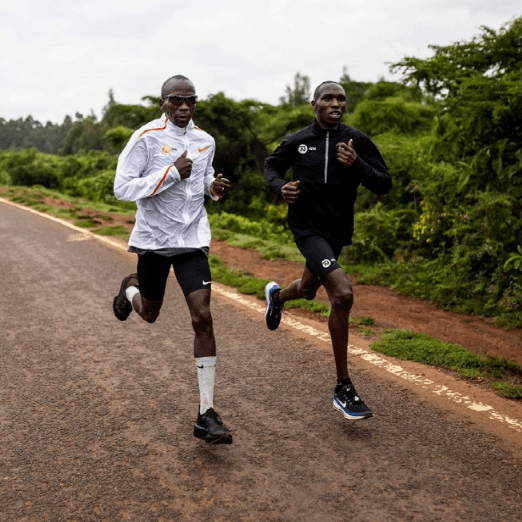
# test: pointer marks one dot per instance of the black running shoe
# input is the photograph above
(273, 312)
(211, 429)
(346, 400)
(121, 305)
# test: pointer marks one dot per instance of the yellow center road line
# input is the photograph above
(365, 355)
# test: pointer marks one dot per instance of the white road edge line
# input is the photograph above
(377, 360)
(418, 380)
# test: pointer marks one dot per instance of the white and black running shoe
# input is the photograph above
(121, 306)
(210, 428)
(273, 312)
(346, 400)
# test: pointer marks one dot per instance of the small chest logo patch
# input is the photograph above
(166, 149)
(302, 149)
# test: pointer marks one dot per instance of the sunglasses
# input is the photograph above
(176, 99)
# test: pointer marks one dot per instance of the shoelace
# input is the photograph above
(348, 393)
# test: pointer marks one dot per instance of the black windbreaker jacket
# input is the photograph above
(328, 188)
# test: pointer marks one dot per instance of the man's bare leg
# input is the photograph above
(147, 310)
(199, 307)
(304, 288)
(340, 293)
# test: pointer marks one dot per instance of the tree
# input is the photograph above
(86, 134)
(491, 54)
(129, 115)
(299, 94)
(479, 87)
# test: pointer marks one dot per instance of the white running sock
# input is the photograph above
(130, 292)
(206, 371)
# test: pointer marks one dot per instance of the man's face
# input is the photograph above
(330, 106)
(179, 112)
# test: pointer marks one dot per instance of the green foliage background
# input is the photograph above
(449, 231)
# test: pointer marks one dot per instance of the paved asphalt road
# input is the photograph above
(96, 415)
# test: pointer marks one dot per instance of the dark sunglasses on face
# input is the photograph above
(176, 99)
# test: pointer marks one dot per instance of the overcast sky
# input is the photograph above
(60, 57)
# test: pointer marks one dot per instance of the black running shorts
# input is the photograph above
(321, 256)
(191, 269)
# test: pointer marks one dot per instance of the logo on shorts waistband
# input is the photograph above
(326, 263)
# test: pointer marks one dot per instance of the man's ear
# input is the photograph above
(161, 102)
(314, 105)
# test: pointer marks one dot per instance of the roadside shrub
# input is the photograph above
(117, 137)
(375, 117)
(97, 188)
(378, 234)
(262, 229)
(29, 167)
(5, 178)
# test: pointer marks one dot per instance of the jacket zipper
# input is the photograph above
(326, 158)
(188, 190)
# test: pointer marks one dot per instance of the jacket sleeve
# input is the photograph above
(209, 175)
(370, 167)
(129, 182)
(276, 166)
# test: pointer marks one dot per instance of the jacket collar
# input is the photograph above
(317, 129)
(179, 130)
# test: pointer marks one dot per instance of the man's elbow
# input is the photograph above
(385, 186)
(122, 194)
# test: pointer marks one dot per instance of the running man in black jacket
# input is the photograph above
(329, 160)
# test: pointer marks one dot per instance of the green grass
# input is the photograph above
(35, 195)
(312, 306)
(243, 281)
(508, 389)
(410, 346)
(269, 249)
(112, 230)
(363, 320)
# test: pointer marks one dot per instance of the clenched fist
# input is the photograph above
(184, 165)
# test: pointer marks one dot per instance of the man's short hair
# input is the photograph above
(178, 78)
(321, 86)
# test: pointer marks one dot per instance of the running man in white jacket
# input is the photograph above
(166, 168)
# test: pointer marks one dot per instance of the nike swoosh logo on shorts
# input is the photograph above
(207, 282)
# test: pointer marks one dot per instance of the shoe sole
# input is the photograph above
(121, 293)
(267, 297)
(199, 433)
(352, 417)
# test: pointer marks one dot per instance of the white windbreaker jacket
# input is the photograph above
(171, 211)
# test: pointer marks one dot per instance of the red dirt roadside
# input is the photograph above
(391, 310)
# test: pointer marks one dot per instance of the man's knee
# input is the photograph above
(339, 290)
(150, 310)
(342, 299)
(308, 293)
(202, 320)
(308, 289)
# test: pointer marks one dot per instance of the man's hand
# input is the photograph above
(220, 186)
(346, 153)
(290, 192)
(184, 165)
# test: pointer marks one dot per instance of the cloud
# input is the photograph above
(60, 57)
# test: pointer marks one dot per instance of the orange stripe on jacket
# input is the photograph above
(161, 181)
(158, 129)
